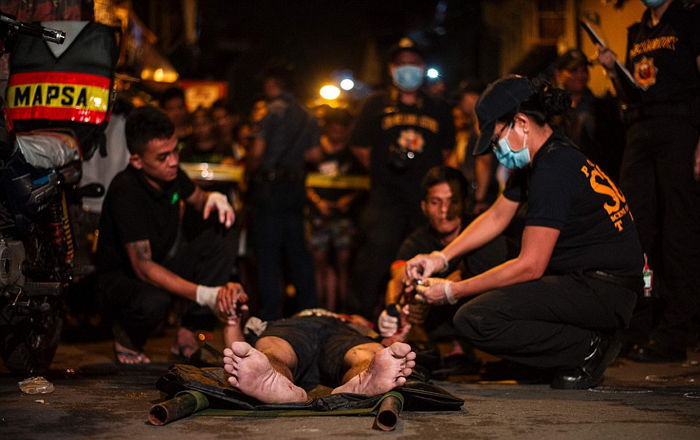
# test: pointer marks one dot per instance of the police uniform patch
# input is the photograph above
(645, 72)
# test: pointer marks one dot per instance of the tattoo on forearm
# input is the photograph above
(142, 249)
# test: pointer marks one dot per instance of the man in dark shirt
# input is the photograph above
(287, 134)
(399, 135)
(661, 165)
(444, 191)
(145, 257)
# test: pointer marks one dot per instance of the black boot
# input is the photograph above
(604, 350)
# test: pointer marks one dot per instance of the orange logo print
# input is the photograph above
(616, 207)
(645, 72)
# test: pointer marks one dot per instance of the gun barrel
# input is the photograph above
(35, 30)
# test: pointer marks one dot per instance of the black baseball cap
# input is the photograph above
(572, 59)
(404, 43)
(500, 98)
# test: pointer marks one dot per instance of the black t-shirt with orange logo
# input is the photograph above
(405, 140)
(566, 191)
(662, 58)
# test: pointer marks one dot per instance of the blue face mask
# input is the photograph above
(653, 3)
(509, 158)
(408, 77)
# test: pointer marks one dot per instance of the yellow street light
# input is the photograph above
(329, 92)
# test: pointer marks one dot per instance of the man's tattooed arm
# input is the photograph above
(149, 271)
(141, 249)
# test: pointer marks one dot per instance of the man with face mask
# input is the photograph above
(558, 304)
(399, 135)
(661, 164)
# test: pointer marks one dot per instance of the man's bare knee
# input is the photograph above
(278, 351)
(361, 354)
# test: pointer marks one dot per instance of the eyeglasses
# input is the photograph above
(494, 141)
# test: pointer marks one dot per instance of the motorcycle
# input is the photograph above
(40, 170)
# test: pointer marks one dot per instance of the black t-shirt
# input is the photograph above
(423, 240)
(566, 191)
(405, 141)
(133, 210)
(341, 163)
(662, 58)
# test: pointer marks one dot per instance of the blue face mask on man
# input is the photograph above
(509, 158)
(408, 77)
(653, 3)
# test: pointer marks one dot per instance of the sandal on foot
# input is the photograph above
(129, 358)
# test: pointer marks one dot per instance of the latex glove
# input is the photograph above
(423, 265)
(218, 201)
(435, 291)
(387, 324)
(227, 301)
(206, 296)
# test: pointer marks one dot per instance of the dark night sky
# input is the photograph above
(239, 38)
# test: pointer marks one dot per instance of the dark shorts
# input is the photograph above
(336, 233)
(320, 344)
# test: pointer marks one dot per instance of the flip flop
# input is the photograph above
(128, 358)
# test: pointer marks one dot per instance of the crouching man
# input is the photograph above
(161, 238)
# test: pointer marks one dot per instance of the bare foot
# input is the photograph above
(387, 371)
(127, 356)
(252, 373)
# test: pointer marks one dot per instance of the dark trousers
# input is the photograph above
(657, 179)
(279, 244)
(385, 224)
(204, 257)
(547, 323)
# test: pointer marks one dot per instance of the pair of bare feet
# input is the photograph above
(251, 372)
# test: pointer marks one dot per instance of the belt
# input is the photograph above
(632, 283)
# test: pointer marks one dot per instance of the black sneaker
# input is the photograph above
(590, 373)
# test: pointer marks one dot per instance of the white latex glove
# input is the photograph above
(218, 201)
(436, 291)
(388, 325)
(423, 265)
(206, 296)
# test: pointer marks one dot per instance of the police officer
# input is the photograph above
(399, 135)
(557, 304)
(661, 164)
(283, 138)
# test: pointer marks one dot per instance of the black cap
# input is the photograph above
(572, 59)
(500, 98)
(404, 44)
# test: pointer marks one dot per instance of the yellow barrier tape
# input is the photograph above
(232, 173)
